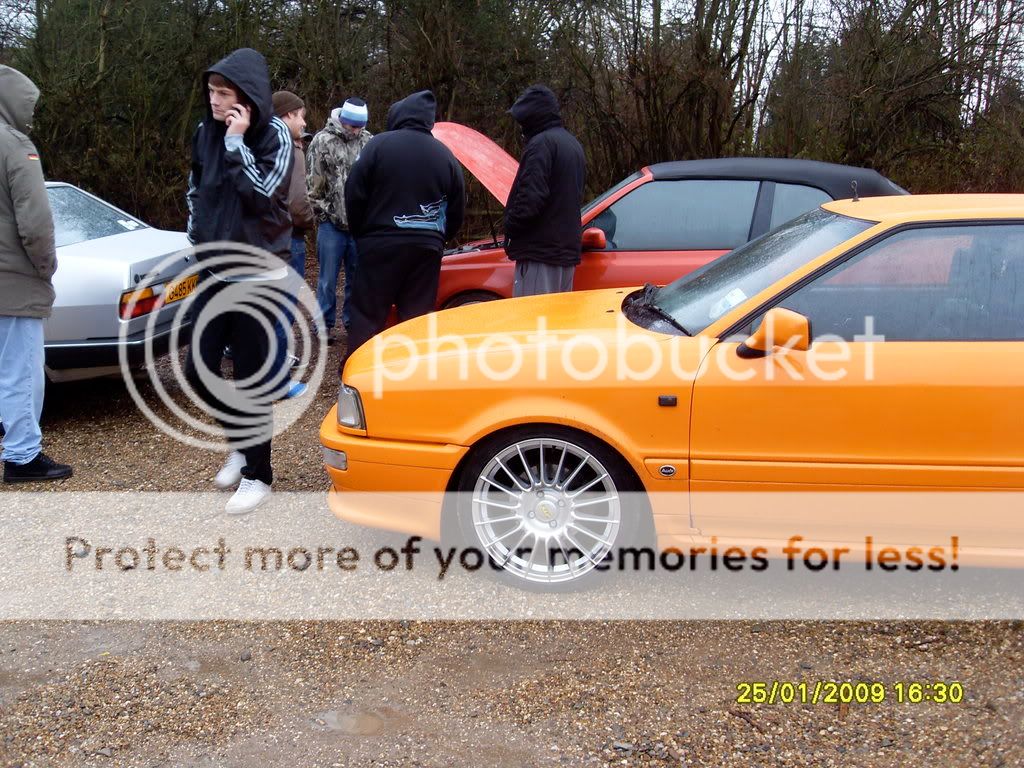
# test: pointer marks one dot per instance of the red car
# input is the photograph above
(661, 223)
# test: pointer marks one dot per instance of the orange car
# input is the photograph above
(655, 226)
(867, 345)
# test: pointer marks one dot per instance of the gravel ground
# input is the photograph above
(401, 694)
(95, 426)
(454, 694)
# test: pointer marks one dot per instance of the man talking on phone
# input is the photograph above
(238, 192)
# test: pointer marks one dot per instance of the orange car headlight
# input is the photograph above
(350, 408)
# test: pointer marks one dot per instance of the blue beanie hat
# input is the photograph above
(354, 112)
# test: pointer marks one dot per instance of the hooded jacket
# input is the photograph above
(542, 216)
(298, 199)
(332, 153)
(238, 185)
(406, 184)
(27, 254)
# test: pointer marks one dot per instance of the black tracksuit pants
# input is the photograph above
(250, 344)
(391, 273)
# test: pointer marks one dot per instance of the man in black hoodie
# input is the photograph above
(405, 198)
(542, 216)
(238, 192)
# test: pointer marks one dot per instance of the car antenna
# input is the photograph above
(856, 197)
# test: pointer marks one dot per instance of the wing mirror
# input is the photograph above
(594, 239)
(779, 328)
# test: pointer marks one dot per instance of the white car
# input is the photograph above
(105, 258)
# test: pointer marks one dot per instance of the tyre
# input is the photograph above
(470, 297)
(548, 504)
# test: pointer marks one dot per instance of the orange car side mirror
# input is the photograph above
(779, 327)
(594, 239)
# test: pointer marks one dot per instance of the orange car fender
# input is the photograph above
(669, 497)
(532, 410)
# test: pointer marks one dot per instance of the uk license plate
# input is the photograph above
(180, 289)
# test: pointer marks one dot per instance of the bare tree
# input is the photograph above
(927, 92)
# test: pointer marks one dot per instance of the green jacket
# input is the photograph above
(27, 254)
(331, 155)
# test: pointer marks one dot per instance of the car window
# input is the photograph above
(78, 217)
(689, 214)
(793, 199)
(609, 192)
(925, 259)
(698, 299)
(956, 283)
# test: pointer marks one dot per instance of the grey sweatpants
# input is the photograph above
(535, 277)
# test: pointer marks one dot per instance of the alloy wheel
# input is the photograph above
(546, 510)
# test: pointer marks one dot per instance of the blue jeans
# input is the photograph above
(298, 262)
(283, 330)
(22, 384)
(334, 247)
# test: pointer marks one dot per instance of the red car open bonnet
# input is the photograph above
(488, 162)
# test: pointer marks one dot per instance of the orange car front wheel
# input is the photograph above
(549, 505)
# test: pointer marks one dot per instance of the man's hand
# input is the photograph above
(238, 120)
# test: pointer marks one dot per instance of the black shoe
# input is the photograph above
(41, 468)
(2, 430)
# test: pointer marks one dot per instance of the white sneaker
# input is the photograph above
(250, 494)
(231, 472)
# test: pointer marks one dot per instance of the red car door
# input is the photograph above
(660, 230)
(610, 269)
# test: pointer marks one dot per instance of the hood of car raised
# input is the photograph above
(489, 163)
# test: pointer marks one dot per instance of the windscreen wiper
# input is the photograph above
(646, 300)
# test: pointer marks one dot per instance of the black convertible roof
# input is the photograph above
(829, 177)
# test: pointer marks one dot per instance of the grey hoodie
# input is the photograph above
(27, 255)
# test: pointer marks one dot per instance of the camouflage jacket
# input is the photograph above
(330, 158)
